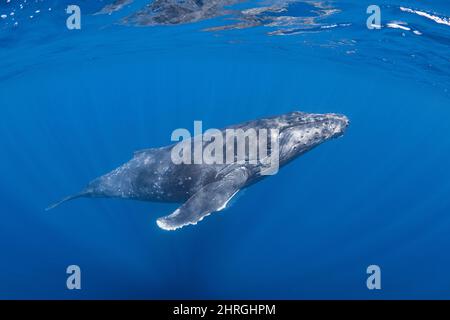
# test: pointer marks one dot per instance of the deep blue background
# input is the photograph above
(76, 104)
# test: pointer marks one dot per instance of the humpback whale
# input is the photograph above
(202, 189)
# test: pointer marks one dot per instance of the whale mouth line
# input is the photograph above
(338, 135)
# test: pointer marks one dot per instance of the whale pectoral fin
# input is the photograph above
(212, 197)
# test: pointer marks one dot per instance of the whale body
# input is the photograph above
(152, 175)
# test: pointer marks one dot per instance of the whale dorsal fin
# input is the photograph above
(149, 151)
(139, 152)
(210, 198)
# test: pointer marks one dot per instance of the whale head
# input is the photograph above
(300, 132)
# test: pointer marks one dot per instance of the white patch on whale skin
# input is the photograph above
(228, 201)
(165, 226)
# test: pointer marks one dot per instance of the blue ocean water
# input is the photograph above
(77, 103)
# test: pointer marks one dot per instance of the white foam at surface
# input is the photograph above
(436, 19)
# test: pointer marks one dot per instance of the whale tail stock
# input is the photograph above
(68, 198)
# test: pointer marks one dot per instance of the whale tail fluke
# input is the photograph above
(68, 198)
